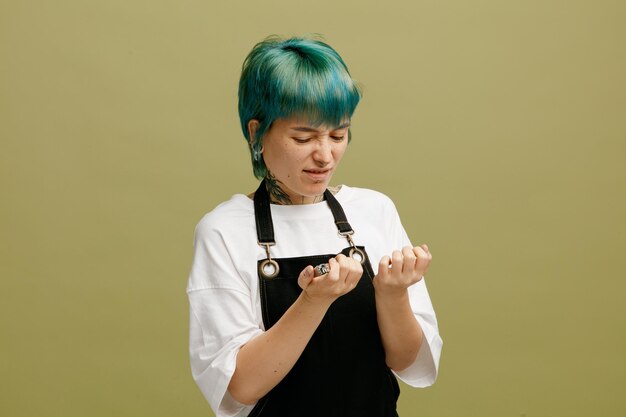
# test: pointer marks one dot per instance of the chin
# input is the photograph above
(318, 188)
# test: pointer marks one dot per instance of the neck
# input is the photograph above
(279, 196)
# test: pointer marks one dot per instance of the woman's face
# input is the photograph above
(303, 158)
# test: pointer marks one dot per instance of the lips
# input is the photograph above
(318, 174)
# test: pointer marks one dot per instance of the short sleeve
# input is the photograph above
(423, 371)
(221, 320)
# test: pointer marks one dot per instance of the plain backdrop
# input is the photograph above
(497, 127)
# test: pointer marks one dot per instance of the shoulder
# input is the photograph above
(221, 238)
(373, 216)
(364, 198)
(231, 214)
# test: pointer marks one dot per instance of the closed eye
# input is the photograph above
(339, 136)
(334, 138)
(302, 140)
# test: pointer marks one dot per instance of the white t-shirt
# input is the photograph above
(225, 307)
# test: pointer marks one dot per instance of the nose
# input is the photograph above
(323, 154)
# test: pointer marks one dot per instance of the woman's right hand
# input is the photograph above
(265, 359)
(344, 274)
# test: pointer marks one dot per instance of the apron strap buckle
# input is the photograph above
(268, 268)
(355, 253)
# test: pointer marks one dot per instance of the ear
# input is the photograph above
(253, 126)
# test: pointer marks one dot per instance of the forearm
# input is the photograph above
(401, 333)
(265, 360)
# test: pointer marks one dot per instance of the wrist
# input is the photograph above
(315, 303)
(392, 296)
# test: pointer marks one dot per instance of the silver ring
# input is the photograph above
(322, 269)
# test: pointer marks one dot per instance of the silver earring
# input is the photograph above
(256, 153)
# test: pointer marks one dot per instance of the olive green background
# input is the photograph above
(497, 127)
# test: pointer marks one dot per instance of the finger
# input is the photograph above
(333, 274)
(421, 253)
(396, 262)
(383, 267)
(408, 264)
(359, 267)
(305, 277)
(423, 259)
(355, 273)
(344, 265)
(424, 247)
(340, 257)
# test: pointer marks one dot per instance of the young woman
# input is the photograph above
(306, 300)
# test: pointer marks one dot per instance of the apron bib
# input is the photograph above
(342, 371)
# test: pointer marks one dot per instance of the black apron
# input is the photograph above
(342, 371)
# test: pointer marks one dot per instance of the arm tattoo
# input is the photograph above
(277, 195)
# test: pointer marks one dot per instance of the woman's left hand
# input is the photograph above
(401, 270)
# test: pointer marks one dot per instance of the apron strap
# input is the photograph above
(263, 215)
(265, 228)
(340, 217)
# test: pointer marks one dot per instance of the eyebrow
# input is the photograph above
(310, 129)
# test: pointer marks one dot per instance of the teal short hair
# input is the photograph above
(298, 76)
